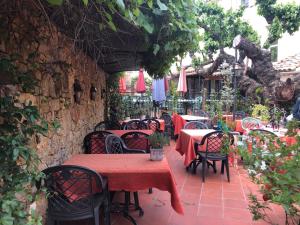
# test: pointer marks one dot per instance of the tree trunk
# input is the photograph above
(261, 67)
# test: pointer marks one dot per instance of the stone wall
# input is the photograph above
(58, 64)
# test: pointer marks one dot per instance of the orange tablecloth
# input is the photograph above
(186, 140)
(131, 172)
(121, 132)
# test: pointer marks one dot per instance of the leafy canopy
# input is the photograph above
(170, 27)
(280, 17)
(220, 27)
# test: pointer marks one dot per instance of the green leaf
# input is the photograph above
(112, 25)
(150, 3)
(136, 12)
(156, 48)
(85, 2)
(55, 2)
(161, 5)
(121, 4)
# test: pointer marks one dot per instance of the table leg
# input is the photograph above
(126, 208)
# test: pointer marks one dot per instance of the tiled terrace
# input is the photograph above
(215, 202)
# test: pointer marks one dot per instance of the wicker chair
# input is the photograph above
(195, 125)
(94, 143)
(75, 193)
(115, 145)
(213, 143)
(135, 125)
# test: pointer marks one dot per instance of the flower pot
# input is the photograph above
(143, 117)
(156, 154)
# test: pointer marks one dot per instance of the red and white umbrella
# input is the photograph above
(140, 84)
(122, 85)
(182, 87)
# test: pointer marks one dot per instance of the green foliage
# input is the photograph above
(19, 125)
(157, 140)
(275, 167)
(19, 161)
(170, 27)
(281, 18)
(261, 112)
(227, 92)
(292, 127)
(114, 98)
(220, 27)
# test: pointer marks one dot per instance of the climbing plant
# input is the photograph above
(19, 124)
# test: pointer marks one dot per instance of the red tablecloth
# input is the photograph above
(186, 140)
(131, 172)
(178, 122)
(121, 132)
(238, 126)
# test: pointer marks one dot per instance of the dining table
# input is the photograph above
(180, 120)
(186, 140)
(131, 172)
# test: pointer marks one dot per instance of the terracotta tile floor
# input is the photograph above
(215, 202)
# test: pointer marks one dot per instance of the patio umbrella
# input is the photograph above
(182, 87)
(140, 84)
(122, 85)
(166, 84)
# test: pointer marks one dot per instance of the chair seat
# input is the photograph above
(213, 156)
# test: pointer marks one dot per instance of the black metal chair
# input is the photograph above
(202, 113)
(94, 143)
(115, 145)
(169, 128)
(135, 125)
(107, 125)
(195, 125)
(76, 193)
(136, 140)
(213, 143)
(152, 124)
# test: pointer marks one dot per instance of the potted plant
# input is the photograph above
(157, 141)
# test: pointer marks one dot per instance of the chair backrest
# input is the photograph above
(167, 118)
(195, 125)
(262, 137)
(71, 189)
(240, 115)
(107, 125)
(135, 125)
(114, 144)
(136, 140)
(100, 126)
(152, 124)
(202, 113)
(250, 123)
(94, 143)
(214, 141)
